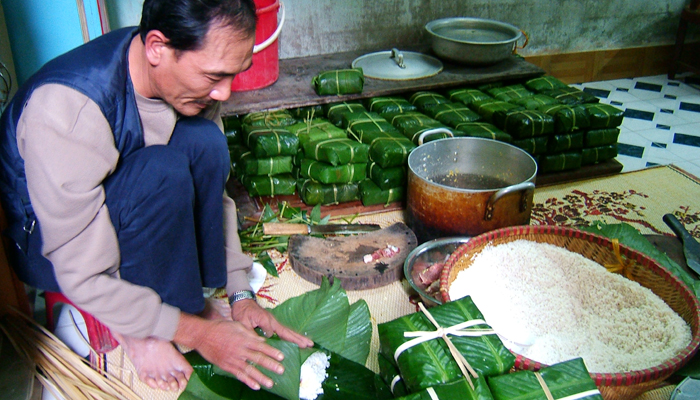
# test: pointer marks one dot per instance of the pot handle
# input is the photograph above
(523, 186)
(432, 132)
(262, 46)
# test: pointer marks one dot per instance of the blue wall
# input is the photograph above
(40, 30)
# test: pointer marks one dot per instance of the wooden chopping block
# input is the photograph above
(341, 257)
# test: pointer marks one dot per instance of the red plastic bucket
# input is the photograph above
(265, 69)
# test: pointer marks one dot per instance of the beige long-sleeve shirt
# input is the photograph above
(68, 150)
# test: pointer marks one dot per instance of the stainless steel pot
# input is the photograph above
(466, 186)
(474, 41)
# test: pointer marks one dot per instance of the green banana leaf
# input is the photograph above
(367, 126)
(483, 130)
(371, 194)
(313, 193)
(571, 96)
(559, 162)
(316, 129)
(458, 390)
(452, 114)
(631, 237)
(567, 118)
(534, 102)
(402, 121)
(387, 178)
(390, 151)
(523, 124)
(510, 92)
(564, 379)
(564, 142)
(389, 104)
(336, 111)
(337, 151)
(328, 174)
(487, 107)
(251, 166)
(534, 146)
(430, 363)
(269, 119)
(270, 185)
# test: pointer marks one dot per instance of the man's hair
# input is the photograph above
(186, 22)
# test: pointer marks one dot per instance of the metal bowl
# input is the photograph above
(473, 41)
(428, 253)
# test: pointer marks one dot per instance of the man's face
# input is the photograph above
(192, 80)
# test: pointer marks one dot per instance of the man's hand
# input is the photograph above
(232, 346)
(252, 316)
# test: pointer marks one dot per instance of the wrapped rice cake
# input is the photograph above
(371, 194)
(569, 379)
(327, 174)
(594, 155)
(271, 142)
(571, 96)
(567, 118)
(403, 120)
(534, 102)
(269, 119)
(269, 185)
(452, 114)
(251, 166)
(335, 112)
(562, 143)
(488, 107)
(427, 100)
(341, 81)
(424, 358)
(459, 390)
(601, 137)
(483, 130)
(386, 105)
(604, 116)
(510, 92)
(413, 133)
(390, 151)
(542, 83)
(233, 130)
(467, 96)
(367, 126)
(316, 129)
(313, 193)
(533, 146)
(522, 124)
(337, 151)
(386, 178)
(560, 162)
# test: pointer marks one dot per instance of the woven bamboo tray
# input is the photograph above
(644, 270)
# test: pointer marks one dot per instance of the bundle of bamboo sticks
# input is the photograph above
(57, 367)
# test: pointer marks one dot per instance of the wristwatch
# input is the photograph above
(241, 295)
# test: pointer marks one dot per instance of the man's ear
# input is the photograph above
(156, 46)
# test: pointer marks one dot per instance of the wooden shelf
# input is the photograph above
(293, 88)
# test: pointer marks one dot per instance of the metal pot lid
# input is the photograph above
(688, 389)
(398, 65)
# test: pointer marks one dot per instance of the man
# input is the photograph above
(113, 173)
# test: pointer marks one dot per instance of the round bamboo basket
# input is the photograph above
(642, 269)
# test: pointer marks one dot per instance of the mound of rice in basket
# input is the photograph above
(551, 305)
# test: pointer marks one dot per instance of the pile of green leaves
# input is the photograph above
(341, 330)
(256, 243)
(631, 237)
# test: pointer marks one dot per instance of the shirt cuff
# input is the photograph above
(168, 319)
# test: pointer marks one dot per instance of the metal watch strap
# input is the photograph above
(241, 295)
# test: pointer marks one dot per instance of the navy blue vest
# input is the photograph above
(100, 70)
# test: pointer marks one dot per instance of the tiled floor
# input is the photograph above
(662, 120)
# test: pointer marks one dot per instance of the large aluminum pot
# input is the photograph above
(473, 41)
(466, 186)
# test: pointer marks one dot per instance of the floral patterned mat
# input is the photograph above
(638, 198)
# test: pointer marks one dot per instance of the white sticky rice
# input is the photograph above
(313, 373)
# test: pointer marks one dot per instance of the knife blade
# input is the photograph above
(691, 247)
(285, 229)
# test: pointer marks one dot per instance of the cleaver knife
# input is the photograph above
(286, 229)
(691, 247)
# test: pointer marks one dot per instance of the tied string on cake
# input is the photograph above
(440, 332)
(576, 396)
(621, 266)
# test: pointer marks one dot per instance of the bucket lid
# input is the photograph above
(688, 389)
(395, 65)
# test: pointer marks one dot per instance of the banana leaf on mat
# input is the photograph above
(569, 378)
(340, 330)
(430, 363)
(371, 194)
(327, 173)
(269, 185)
(341, 81)
(316, 129)
(592, 155)
(567, 118)
(313, 193)
(337, 151)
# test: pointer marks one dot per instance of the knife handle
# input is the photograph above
(284, 229)
(677, 227)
